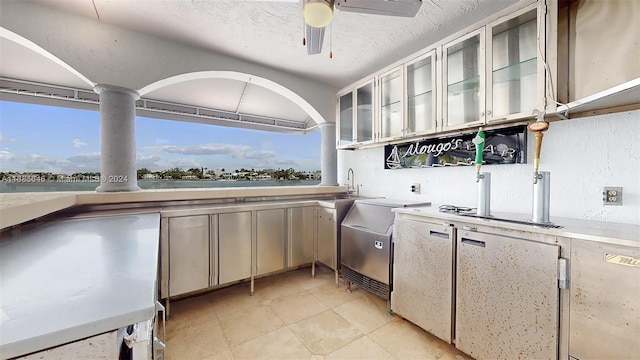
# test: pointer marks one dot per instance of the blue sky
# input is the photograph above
(64, 140)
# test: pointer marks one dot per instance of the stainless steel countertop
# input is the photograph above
(605, 232)
(190, 210)
(71, 279)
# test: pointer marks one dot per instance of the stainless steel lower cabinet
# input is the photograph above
(188, 254)
(605, 301)
(327, 233)
(271, 238)
(423, 275)
(301, 232)
(507, 297)
(234, 244)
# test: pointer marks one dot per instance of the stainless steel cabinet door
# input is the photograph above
(605, 301)
(234, 243)
(327, 237)
(300, 236)
(188, 254)
(423, 275)
(271, 237)
(506, 297)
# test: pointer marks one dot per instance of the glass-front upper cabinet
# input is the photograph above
(356, 116)
(391, 104)
(345, 120)
(512, 66)
(420, 106)
(364, 113)
(463, 81)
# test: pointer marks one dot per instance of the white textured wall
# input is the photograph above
(583, 156)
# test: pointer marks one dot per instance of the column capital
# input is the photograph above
(103, 88)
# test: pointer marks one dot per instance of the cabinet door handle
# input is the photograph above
(469, 228)
(438, 234)
(473, 242)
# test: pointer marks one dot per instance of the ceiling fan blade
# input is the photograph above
(403, 8)
(315, 37)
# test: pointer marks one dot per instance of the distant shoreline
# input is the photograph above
(17, 187)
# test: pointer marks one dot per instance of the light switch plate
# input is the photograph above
(415, 188)
(612, 195)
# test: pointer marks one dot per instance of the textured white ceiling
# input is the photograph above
(270, 32)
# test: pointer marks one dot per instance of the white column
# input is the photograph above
(117, 138)
(329, 155)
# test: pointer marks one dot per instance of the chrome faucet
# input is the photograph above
(350, 176)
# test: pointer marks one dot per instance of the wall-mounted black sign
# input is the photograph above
(502, 146)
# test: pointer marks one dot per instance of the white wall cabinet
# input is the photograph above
(515, 72)
(490, 74)
(392, 120)
(356, 114)
(463, 81)
(420, 107)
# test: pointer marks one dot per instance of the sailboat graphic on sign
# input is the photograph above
(393, 160)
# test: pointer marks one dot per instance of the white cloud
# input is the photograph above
(5, 155)
(183, 163)
(206, 149)
(85, 157)
(148, 162)
(4, 138)
(255, 155)
(78, 143)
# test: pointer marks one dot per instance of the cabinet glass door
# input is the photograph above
(345, 118)
(513, 62)
(391, 94)
(420, 73)
(464, 80)
(364, 113)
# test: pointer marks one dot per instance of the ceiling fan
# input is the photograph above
(318, 14)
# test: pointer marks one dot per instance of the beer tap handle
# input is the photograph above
(478, 141)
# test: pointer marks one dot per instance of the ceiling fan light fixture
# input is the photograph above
(318, 13)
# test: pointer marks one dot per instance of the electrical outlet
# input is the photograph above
(415, 188)
(612, 196)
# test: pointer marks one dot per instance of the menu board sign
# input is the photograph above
(502, 146)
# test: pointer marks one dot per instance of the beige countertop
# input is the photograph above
(607, 232)
(17, 208)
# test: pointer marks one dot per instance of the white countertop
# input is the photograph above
(606, 232)
(71, 279)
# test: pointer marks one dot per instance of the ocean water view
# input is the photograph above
(16, 187)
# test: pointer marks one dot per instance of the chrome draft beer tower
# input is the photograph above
(483, 207)
(541, 179)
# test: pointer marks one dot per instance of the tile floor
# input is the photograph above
(295, 316)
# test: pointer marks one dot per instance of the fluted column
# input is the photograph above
(117, 138)
(328, 154)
